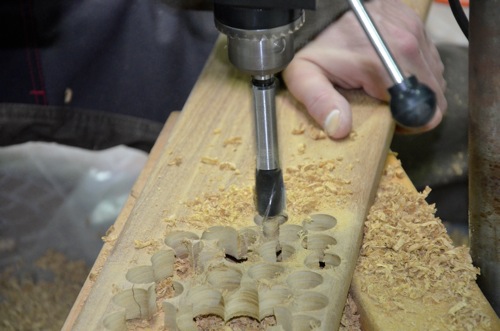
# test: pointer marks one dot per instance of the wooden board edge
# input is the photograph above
(121, 220)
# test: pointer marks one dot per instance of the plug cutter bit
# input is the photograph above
(260, 43)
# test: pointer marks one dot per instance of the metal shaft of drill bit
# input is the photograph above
(269, 184)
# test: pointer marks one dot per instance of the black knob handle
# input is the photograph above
(413, 104)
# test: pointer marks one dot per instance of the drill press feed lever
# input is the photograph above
(413, 104)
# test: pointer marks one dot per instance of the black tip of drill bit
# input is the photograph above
(270, 192)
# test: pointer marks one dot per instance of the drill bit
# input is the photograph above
(269, 185)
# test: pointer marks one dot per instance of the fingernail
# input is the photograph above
(332, 122)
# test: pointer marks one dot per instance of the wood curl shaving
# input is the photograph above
(227, 166)
(232, 141)
(209, 160)
(176, 161)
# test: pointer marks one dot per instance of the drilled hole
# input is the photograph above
(320, 222)
(318, 241)
(233, 259)
(322, 261)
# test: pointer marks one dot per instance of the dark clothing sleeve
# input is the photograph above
(119, 59)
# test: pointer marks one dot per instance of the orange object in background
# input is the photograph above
(464, 3)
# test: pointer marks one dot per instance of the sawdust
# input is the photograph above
(350, 317)
(237, 206)
(210, 323)
(407, 255)
(249, 324)
(227, 166)
(299, 130)
(183, 268)
(232, 141)
(176, 161)
(28, 303)
(216, 323)
(320, 182)
(140, 244)
(234, 205)
(110, 235)
(301, 149)
(209, 160)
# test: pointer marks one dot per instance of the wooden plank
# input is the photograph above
(409, 275)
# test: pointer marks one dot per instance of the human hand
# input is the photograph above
(343, 56)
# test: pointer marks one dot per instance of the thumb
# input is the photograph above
(310, 85)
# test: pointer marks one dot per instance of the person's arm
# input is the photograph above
(341, 55)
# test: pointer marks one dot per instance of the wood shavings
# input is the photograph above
(109, 237)
(151, 246)
(232, 141)
(235, 205)
(176, 161)
(164, 290)
(93, 276)
(139, 244)
(228, 206)
(350, 317)
(312, 131)
(407, 255)
(210, 323)
(299, 130)
(301, 149)
(216, 323)
(316, 133)
(320, 183)
(29, 304)
(249, 324)
(210, 160)
(227, 166)
(183, 268)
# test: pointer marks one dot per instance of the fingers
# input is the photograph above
(343, 56)
(309, 84)
(409, 43)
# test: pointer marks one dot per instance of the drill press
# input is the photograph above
(260, 43)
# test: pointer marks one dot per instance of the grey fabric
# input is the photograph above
(132, 57)
(103, 63)
(88, 129)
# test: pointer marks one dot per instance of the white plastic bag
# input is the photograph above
(60, 197)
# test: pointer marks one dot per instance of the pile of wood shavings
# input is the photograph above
(306, 187)
(223, 208)
(419, 263)
(26, 304)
